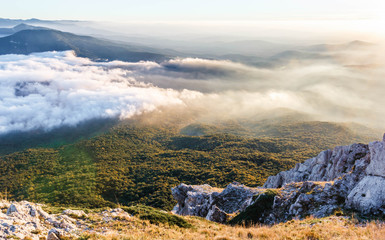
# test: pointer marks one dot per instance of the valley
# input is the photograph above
(138, 163)
(191, 129)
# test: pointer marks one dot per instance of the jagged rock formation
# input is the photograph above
(327, 166)
(212, 203)
(25, 220)
(347, 177)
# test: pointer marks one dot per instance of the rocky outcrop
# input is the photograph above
(74, 213)
(25, 220)
(368, 196)
(54, 234)
(212, 203)
(327, 166)
(347, 177)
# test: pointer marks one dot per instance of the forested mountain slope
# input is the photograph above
(139, 163)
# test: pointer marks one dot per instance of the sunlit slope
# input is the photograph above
(139, 163)
(19, 141)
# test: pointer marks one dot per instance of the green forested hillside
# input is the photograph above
(18, 141)
(138, 163)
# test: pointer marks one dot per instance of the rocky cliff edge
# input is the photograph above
(347, 178)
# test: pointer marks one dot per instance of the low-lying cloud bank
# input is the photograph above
(48, 90)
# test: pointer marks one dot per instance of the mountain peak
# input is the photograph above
(359, 43)
(23, 26)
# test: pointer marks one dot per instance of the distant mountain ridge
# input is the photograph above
(257, 53)
(6, 22)
(42, 40)
(18, 28)
(353, 45)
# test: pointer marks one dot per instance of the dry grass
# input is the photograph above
(310, 228)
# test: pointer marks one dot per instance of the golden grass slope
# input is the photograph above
(310, 228)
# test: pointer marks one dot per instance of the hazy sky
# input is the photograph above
(177, 10)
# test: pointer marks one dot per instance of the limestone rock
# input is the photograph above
(347, 177)
(110, 215)
(26, 220)
(212, 203)
(377, 159)
(216, 215)
(368, 196)
(303, 199)
(54, 234)
(193, 200)
(29, 220)
(11, 209)
(327, 166)
(75, 213)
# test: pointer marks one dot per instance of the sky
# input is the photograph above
(182, 10)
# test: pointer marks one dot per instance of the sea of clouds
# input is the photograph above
(52, 89)
(47, 90)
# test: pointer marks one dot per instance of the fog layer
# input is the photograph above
(52, 89)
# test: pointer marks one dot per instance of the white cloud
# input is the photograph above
(47, 90)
